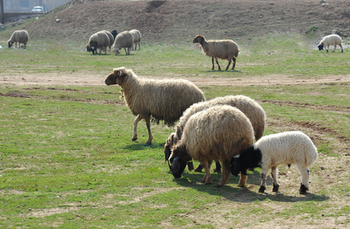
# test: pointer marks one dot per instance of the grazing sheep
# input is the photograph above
(111, 39)
(293, 147)
(20, 36)
(114, 33)
(223, 49)
(99, 40)
(160, 99)
(136, 37)
(123, 40)
(248, 106)
(218, 133)
(332, 39)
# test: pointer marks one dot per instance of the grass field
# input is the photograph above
(67, 159)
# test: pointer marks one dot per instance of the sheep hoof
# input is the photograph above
(134, 139)
(199, 168)
(262, 189)
(275, 188)
(303, 189)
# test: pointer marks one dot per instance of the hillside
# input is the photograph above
(180, 21)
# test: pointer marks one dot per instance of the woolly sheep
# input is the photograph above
(223, 49)
(160, 99)
(123, 40)
(136, 37)
(111, 38)
(332, 39)
(218, 133)
(20, 36)
(99, 40)
(293, 147)
(248, 106)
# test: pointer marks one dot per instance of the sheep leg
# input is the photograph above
(263, 182)
(199, 168)
(207, 179)
(275, 181)
(212, 61)
(218, 167)
(216, 59)
(234, 63)
(137, 119)
(341, 47)
(305, 177)
(150, 136)
(229, 62)
(242, 180)
(226, 171)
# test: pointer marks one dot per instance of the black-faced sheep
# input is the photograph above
(160, 99)
(293, 147)
(223, 49)
(217, 133)
(20, 36)
(248, 106)
(99, 40)
(123, 40)
(114, 33)
(332, 39)
(136, 38)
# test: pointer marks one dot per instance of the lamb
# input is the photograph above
(99, 40)
(123, 40)
(160, 99)
(136, 37)
(332, 39)
(218, 133)
(223, 49)
(248, 106)
(293, 147)
(20, 36)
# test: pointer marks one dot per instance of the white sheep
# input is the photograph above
(223, 49)
(217, 133)
(123, 40)
(160, 99)
(136, 37)
(332, 39)
(20, 36)
(248, 106)
(99, 40)
(293, 147)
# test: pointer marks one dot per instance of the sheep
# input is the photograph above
(114, 33)
(136, 37)
(99, 40)
(20, 36)
(123, 40)
(223, 49)
(291, 147)
(332, 39)
(248, 106)
(160, 99)
(217, 133)
(111, 38)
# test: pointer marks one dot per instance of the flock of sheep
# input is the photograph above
(222, 129)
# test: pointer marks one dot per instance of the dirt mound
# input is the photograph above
(179, 21)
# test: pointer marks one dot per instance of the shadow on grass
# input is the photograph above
(234, 193)
(139, 145)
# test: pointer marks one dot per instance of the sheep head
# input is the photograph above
(9, 44)
(250, 158)
(116, 77)
(320, 47)
(178, 161)
(198, 39)
(167, 147)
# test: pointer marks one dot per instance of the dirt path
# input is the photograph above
(88, 79)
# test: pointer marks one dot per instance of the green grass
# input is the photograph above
(67, 159)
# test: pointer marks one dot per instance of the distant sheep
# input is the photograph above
(111, 38)
(123, 40)
(332, 39)
(20, 36)
(223, 49)
(160, 99)
(218, 133)
(293, 147)
(136, 37)
(248, 106)
(99, 40)
(114, 33)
